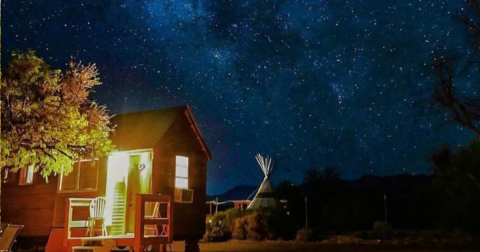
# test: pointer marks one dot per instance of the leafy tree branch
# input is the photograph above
(47, 117)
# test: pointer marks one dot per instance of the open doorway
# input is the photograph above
(129, 173)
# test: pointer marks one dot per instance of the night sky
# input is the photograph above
(310, 83)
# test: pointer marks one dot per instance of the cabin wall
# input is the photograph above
(38, 206)
(29, 205)
(180, 139)
(61, 198)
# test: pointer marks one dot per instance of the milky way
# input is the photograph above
(310, 83)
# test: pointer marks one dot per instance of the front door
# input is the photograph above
(139, 179)
(133, 187)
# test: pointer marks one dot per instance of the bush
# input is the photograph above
(257, 226)
(214, 233)
(461, 237)
(303, 235)
(222, 225)
(281, 224)
(248, 224)
(217, 233)
(365, 235)
(231, 215)
(215, 229)
(382, 229)
(429, 238)
(239, 230)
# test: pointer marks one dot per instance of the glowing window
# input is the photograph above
(26, 175)
(84, 177)
(181, 172)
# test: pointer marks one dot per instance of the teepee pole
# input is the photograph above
(265, 163)
(262, 197)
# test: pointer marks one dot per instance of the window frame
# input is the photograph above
(77, 178)
(181, 165)
(24, 175)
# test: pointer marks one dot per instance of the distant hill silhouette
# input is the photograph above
(402, 184)
(396, 184)
(236, 193)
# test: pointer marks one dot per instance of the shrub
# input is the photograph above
(247, 224)
(461, 237)
(257, 226)
(215, 229)
(429, 238)
(281, 224)
(303, 235)
(239, 230)
(231, 215)
(365, 235)
(222, 224)
(382, 229)
(217, 233)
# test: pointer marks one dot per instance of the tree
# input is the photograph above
(456, 186)
(48, 121)
(321, 182)
(294, 205)
(463, 109)
(324, 190)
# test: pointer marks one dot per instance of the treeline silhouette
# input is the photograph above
(447, 199)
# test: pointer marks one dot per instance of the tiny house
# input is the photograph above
(157, 152)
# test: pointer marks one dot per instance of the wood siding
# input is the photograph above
(39, 207)
(29, 205)
(180, 139)
(60, 199)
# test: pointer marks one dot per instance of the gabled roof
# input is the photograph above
(143, 130)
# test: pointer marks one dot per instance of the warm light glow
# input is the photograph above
(117, 171)
(29, 178)
(145, 162)
(181, 172)
(181, 183)
(145, 173)
(26, 175)
(117, 168)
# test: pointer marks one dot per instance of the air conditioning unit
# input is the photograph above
(183, 195)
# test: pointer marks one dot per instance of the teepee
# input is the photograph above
(264, 196)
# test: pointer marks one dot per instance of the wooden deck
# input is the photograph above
(137, 240)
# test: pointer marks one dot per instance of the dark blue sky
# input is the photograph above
(310, 83)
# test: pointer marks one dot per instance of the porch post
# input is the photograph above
(191, 245)
(162, 248)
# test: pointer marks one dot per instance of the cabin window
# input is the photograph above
(26, 175)
(181, 172)
(84, 177)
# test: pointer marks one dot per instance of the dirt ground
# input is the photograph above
(290, 246)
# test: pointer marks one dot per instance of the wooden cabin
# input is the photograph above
(157, 152)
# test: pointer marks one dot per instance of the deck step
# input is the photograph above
(91, 248)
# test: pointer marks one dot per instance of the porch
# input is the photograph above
(151, 227)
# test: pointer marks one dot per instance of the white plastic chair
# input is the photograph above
(97, 213)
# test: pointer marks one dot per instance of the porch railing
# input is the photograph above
(71, 204)
(163, 222)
